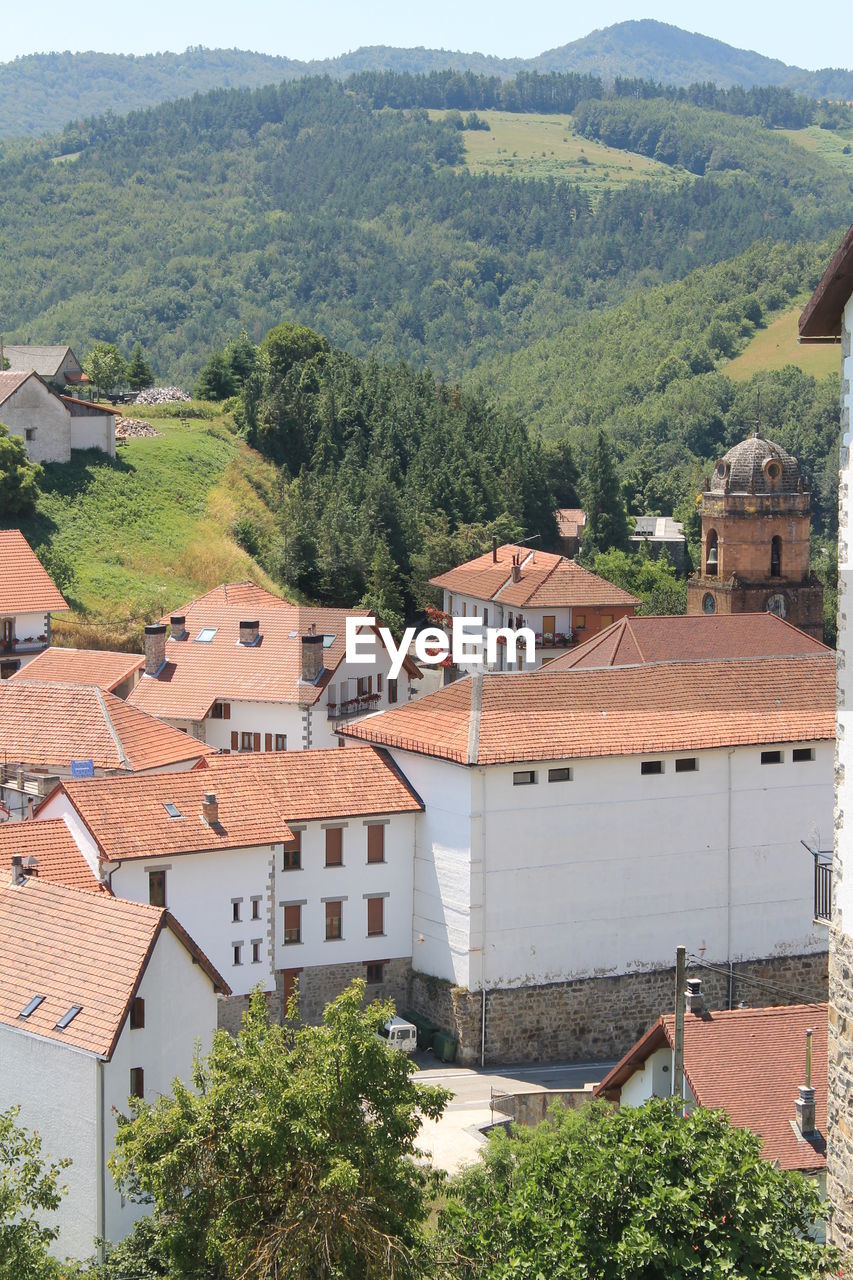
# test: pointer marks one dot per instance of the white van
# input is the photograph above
(400, 1034)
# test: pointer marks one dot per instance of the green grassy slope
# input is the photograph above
(776, 345)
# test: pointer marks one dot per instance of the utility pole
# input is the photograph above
(678, 1052)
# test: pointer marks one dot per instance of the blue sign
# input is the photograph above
(82, 768)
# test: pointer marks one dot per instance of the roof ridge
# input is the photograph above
(634, 638)
(111, 727)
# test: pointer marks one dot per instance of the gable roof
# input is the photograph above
(689, 638)
(821, 318)
(749, 1063)
(78, 948)
(58, 859)
(35, 358)
(99, 667)
(196, 674)
(25, 585)
(545, 580)
(10, 380)
(49, 724)
(659, 707)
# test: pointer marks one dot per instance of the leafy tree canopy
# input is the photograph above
(106, 366)
(18, 478)
(30, 1191)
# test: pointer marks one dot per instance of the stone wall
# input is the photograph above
(321, 983)
(839, 1155)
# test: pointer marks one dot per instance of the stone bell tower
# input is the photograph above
(756, 521)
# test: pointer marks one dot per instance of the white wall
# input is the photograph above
(94, 431)
(843, 875)
(33, 407)
(652, 1080)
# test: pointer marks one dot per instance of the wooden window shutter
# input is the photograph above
(292, 925)
(226, 711)
(267, 742)
(375, 842)
(235, 741)
(256, 741)
(375, 916)
(334, 846)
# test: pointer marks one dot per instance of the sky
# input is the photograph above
(324, 28)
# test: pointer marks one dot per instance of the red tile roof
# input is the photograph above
(749, 1063)
(48, 725)
(546, 581)
(672, 706)
(99, 667)
(196, 673)
(51, 844)
(570, 521)
(25, 587)
(685, 638)
(77, 948)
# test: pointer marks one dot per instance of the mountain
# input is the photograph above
(41, 93)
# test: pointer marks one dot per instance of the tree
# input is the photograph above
(606, 523)
(139, 373)
(290, 344)
(216, 381)
(106, 366)
(19, 478)
(383, 596)
(636, 1194)
(562, 473)
(29, 1189)
(292, 1157)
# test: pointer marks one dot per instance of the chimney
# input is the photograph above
(312, 657)
(249, 633)
(516, 569)
(494, 548)
(179, 626)
(18, 876)
(155, 648)
(693, 1002)
(210, 808)
(805, 1104)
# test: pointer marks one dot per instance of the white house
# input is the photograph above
(828, 317)
(50, 424)
(580, 825)
(27, 598)
(287, 865)
(516, 586)
(244, 670)
(55, 363)
(99, 999)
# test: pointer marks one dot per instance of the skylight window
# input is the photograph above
(31, 1007)
(68, 1018)
(172, 810)
(328, 641)
(206, 635)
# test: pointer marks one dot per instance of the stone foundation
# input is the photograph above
(839, 1153)
(320, 983)
(598, 1019)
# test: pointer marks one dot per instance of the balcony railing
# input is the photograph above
(353, 707)
(822, 890)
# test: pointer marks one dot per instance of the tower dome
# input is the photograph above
(757, 465)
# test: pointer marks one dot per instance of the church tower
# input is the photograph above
(756, 521)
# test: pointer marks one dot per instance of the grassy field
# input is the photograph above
(827, 143)
(777, 345)
(532, 146)
(150, 530)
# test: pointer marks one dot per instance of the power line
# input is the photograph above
(755, 982)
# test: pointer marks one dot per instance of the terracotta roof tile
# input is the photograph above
(570, 521)
(749, 1063)
(546, 580)
(688, 638)
(48, 725)
(58, 859)
(668, 706)
(99, 667)
(25, 586)
(76, 948)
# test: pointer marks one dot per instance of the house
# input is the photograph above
(570, 527)
(50, 731)
(579, 825)
(828, 317)
(750, 1063)
(244, 670)
(27, 599)
(56, 364)
(281, 866)
(115, 673)
(658, 534)
(50, 852)
(690, 638)
(50, 424)
(100, 999)
(514, 586)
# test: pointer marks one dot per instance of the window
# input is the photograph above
(374, 973)
(392, 691)
(776, 558)
(30, 433)
(328, 641)
(771, 757)
(376, 842)
(711, 554)
(68, 1018)
(651, 766)
(157, 888)
(31, 1006)
(687, 764)
(281, 742)
(606, 620)
(292, 925)
(256, 908)
(580, 621)
(464, 608)
(137, 1014)
(333, 921)
(334, 846)
(206, 635)
(137, 1082)
(256, 951)
(801, 754)
(562, 774)
(237, 953)
(220, 711)
(292, 860)
(375, 917)
(250, 742)
(236, 904)
(172, 810)
(524, 778)
(485, 617)
(450, 604)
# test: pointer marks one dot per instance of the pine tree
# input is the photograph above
(606, 522)
(139, 373)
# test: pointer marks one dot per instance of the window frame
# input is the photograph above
(331, 917)
(292, 850)
(334, 857)
(687, 764)
(651, 768)
(524, 778)
(137, 1082)
(157, 875)
(372, 908)
(297, 929)
(773, 756)
(561, 773)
